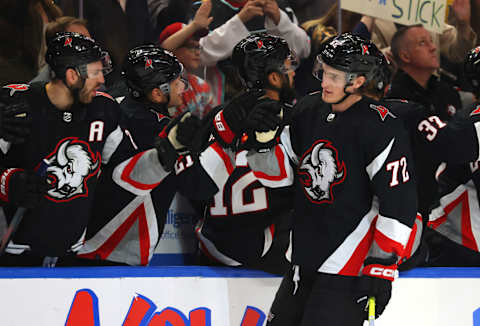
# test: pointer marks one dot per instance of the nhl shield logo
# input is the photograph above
(67, 116)
(320, 170)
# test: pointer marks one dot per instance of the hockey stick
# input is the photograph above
(18, 216)
(371, 311)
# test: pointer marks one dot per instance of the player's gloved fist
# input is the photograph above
(264, 116)
(378, 276)
(229, 123)
(14, 122)
(187, 130)
(22, 188)
(175, 138)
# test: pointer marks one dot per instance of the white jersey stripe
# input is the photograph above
(393, 229)
(287, 144)
(111, 144)
(215, 167)
(477, 130)
(335, 263)
(267, 244)
(212, 250)
(123, 249)
(379, 161)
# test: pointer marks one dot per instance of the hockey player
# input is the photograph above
(75, 132)
(354, 191)
(246, 224)
(126, 227)
(232, 21)
(452, 233)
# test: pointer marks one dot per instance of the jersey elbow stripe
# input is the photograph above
(379, 161)
(217, 164)
(129, 173)
(393, 229)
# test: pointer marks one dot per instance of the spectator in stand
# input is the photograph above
(118, 26)
(183, 41)
(21, 36)
(415, 54)
(234, 20)
(166, 12)
(61, 24)
(453, 43)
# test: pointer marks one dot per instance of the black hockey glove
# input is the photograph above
(379, 274)
(229, 123)
(22, 188)
(175, 139)
(264, 125)
(14, 122)
(264, 116)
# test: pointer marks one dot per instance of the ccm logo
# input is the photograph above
(378, 271)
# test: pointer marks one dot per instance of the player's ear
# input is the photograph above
(71, 76)
(358, 82)
(275, 79)
(157, 96)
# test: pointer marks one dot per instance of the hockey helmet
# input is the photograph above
(356, 57)
(72, 50)
(148, 67)
(258, 55)
(471, 68)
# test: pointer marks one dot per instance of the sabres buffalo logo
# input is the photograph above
(70, 165)
(320, 170)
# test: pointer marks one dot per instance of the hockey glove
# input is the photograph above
(379, 273)
(22, 188)
(264, 116)
(264, 125)
(14, 122)
(175, 139)
(229, 123)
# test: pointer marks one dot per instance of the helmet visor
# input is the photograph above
(291, 63)
(95, 69)
(324, 72)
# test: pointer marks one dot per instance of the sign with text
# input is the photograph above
(430, 13)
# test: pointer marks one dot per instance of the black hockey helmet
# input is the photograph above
(471, 68)
(73, 50)
(357, 57)
(148, 67)
(259, 54)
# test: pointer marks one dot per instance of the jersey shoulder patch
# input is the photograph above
(98, 93)
(13, 88)
(382, 111)
(475, 111)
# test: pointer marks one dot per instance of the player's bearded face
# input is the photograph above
(92, 83)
